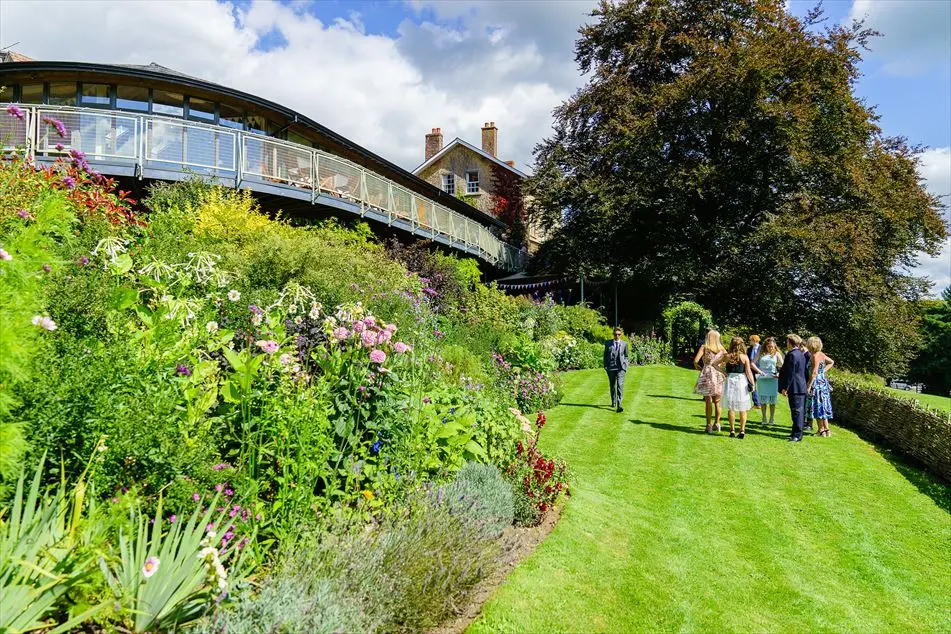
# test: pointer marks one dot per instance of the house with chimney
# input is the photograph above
(478, 176)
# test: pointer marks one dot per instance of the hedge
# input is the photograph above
(904, 425)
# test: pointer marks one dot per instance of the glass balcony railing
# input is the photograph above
(151, 142)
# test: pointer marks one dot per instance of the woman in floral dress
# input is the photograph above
(711, 380)
(820, 392)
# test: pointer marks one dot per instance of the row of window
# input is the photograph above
(144, 100)
(472, 182)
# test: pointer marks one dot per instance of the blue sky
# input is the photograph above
(383, 73)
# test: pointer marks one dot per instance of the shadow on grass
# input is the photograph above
(587, 405)
(679, 398)
(913, 470)
(775, 431)
(668, 426)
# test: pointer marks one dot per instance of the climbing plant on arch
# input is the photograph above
(683, 322)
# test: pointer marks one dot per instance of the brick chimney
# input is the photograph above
(433, 143)
(490, 138)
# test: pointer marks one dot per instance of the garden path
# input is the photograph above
(669, 529)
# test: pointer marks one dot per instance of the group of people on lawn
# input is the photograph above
(741, 377)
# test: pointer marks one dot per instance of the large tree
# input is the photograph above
(718, 152)
(933, 365)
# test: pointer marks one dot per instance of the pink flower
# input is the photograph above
(370, 320)
(4, 255)
(390, 327)
(377, 356)
(359, 326)
(172, 518)
(284, 359)
(369, 338)
(383, 336)
(267, 345)
(341, 333)
(15, 111)
(399, 347)
(196, 497)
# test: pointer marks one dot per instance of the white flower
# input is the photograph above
(256, 319)
(112, 247)
(315, 310)
(43, 322)
(292, 309)
(150, 567)
(212, 326)
(234, 295)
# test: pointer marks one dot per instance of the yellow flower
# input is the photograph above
(368, 495)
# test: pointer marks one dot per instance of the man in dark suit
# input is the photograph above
(793, 382)
(615, 364)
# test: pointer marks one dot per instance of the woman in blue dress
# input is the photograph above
(769, 361)
(820, 392)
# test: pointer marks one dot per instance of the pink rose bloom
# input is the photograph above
(267, 345)
(370, 320)
(358, 326)
(341, 333)
(377, 356)
(383, 336)
(401, 347)
(390, 327)
(284, 359)
(369, 338)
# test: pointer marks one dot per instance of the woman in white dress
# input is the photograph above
(739, 384)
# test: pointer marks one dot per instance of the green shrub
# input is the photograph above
(576, 354)
(583, 322)
(649, 351)
(481, 495)
(683, 323)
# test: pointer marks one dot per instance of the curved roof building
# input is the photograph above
(150, 122)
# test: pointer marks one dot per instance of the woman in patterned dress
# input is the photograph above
(711, 380)
(769, 361)
(820, 392)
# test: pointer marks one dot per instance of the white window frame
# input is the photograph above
(472, 185)
(449, 183)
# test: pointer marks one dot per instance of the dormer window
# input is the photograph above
(449, 183)
(472, 182)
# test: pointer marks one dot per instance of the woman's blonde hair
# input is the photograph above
(712, 342)
(814, 344)
(771, 341)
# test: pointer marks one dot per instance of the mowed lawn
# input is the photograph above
(669, 529)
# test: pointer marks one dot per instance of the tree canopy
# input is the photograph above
(933, 365)
(719, 153)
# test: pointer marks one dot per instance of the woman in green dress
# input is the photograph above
(769, 361)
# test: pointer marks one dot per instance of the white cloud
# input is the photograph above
(505, 62)
(935, 169)
(917, 33)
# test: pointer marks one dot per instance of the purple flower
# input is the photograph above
(375, 449)
(377, 356)
(69, 181)
(172, 518)
(79, 155)
(427, 400)
(196, 497)
(220, 466)
(255, 310)
(182, 370)
(60, 147)
(47, 268)
(83, 261)
(15, 111)
(56, 123)
(23, 213)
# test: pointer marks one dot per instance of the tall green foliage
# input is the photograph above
(933, 365)
(720, 142)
